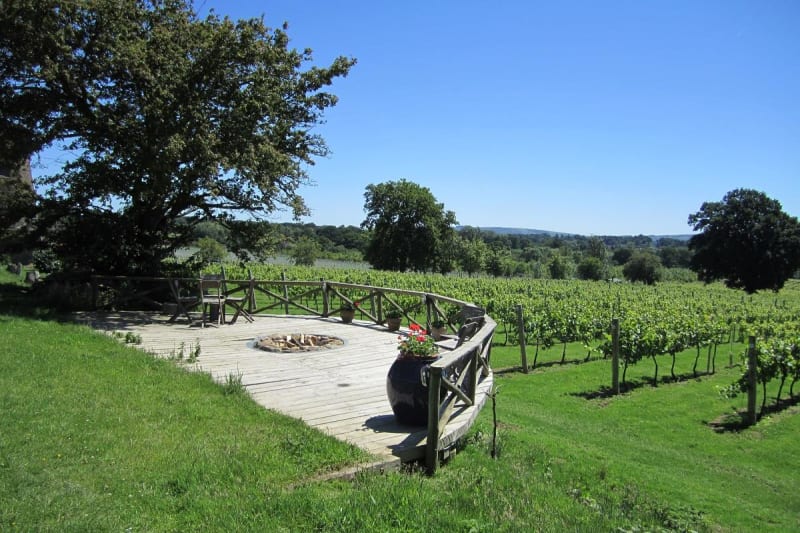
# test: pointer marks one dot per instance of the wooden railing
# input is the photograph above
(317, 298)
(458, 372)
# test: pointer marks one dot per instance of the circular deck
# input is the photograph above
(341, 391)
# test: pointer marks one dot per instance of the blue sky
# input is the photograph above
(599, 118)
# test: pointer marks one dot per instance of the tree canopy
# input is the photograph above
(472, 254)
(591, 268)
(304, 252)
(409, 229)
(170, 118)
(643, 266)
(746, 240)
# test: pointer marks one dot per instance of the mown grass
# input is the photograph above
(99, 436)
(659, 439)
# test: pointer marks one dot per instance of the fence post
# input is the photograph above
(521, 330)
(325, 299)
(752, 379)
(615, 355)
(285, 293)
(432, 444)
(251, 302)
(372, 308)
(428, 313)
(471, 380)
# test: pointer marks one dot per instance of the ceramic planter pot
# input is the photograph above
(393, 324)
(407, 389)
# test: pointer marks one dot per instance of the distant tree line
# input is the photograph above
(569, 256)
(479, 252)
(408, 229)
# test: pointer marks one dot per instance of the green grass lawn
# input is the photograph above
(97, 436)
(658, 439)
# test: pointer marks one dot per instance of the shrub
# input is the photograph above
(591, 268)
(644, 267)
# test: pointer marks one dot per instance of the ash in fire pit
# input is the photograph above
(297, 342)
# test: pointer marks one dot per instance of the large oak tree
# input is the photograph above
(169, 117)
(746, 240)
(409, 229)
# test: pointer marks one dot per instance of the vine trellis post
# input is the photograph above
(752, 379)
(615, 355)
(521, 329)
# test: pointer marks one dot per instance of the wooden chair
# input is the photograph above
(212, 299)
(239, 303)
(183, 303)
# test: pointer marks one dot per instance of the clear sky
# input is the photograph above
(603, 118)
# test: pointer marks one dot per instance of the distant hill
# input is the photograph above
(523, 231)
(685, 237)
(527, 231)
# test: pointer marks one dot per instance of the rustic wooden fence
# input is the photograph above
(316, 298)
(454, 380)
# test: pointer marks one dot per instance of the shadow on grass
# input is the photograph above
(548, 364)
(23, 301)
(543, 366)
(738, 421)
(607, 392)
(509, 370)
(631, 385)
(51, 298)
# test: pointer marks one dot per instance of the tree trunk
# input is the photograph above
(730, 345)
(780, 388)
(714, 360)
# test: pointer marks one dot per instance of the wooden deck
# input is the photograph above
(341, 391)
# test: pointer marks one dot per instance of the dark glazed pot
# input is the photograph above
(407, 394)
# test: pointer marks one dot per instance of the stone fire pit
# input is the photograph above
(297, 342)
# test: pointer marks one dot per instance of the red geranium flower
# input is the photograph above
(417, 343)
